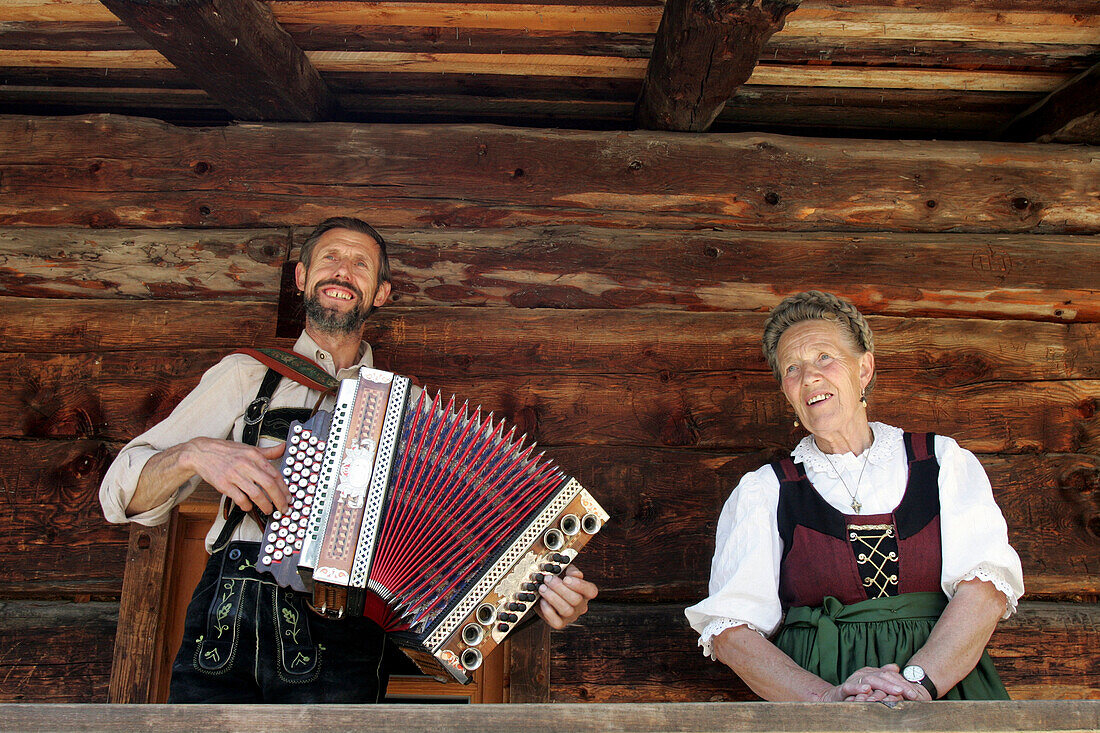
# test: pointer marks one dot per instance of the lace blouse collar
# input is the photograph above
(888, 442)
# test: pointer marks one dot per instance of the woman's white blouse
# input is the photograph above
(744, 576)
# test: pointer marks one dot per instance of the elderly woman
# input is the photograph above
(883, 549)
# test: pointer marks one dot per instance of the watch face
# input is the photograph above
(913, 673)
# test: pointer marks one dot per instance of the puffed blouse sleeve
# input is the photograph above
(744, 575)
(973, 531)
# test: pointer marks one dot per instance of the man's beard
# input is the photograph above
(331, 320)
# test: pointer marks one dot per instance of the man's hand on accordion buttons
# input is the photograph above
(565, 599)
(242, 472)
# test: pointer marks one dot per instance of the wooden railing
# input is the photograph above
(575, 718)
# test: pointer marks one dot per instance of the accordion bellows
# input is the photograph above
(433, 521)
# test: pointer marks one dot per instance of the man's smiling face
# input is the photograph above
(341, 283)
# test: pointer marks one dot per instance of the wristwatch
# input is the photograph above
(916, 675)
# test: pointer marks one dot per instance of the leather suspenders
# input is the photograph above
(259, 419)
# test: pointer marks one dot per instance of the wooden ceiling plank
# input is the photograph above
(237, 52)
(1069, 114)
(71, 10)
(572, 65)
(68, 36)
(988, 24)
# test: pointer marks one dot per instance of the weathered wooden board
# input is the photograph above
(985, 275)
(112, 395)
(474, 341)
(619, 653)
(758, 717)
(168, 265)
(105, 171)
(54, 541)
(56, 652)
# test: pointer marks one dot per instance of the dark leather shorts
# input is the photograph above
(246, 639)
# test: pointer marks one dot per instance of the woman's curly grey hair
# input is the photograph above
(815, 305)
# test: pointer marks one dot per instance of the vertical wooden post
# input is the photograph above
(133, 677)
(529, 664)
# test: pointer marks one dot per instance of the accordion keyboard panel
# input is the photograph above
(508, 592)
(285, 534)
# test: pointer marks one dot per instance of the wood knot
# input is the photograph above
(526, 420)
(201, 168)
(679, 429)
(84, 465)
(635, 165)
(771, 198)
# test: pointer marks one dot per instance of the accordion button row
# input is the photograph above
(301, 468)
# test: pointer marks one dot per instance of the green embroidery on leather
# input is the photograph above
(246, 564)
(224, 609)
(301, 660)
(291, 618)
(213, 654)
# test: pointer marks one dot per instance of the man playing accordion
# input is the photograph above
(246, 639)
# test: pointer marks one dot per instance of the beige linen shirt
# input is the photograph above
(214, 409)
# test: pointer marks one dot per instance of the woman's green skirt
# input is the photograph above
(835, 640)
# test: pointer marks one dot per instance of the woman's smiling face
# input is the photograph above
(823, 377)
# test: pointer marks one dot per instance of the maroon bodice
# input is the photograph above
(853, 557)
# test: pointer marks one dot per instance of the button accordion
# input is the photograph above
(430, 520)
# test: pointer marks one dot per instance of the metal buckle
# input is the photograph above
(256, 410)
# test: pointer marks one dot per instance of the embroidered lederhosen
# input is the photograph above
(854, 557)
(216, 649)
(234, 608)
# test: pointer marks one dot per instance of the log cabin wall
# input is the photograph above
(606, 291)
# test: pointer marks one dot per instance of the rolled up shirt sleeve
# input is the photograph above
(211, 410)
(744, 578)
(973, 531)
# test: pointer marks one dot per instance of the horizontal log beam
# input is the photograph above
(997, 276)
(665, 503)
(59, 652)
(477, 341)
(103, 396)
(702, 53)
(582, 39)
(236, 51)
(1044, 651)
(108, 172)
(1007, 20)
(164, 265)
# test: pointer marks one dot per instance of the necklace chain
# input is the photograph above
(856, 505)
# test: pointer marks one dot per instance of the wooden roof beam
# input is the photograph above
(1069, 114)
(237, 52)
(703, 51)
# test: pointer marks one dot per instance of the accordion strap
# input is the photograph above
(280, 363)
(293, 365)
